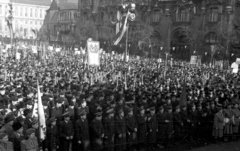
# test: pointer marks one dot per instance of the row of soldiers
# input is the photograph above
(130, 121)
(141, 109)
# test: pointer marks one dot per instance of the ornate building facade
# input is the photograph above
(181, 27)
(28, 15)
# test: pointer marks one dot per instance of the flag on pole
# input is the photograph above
(38, 112)
(124, 29)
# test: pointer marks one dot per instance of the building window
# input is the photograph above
(211, 38)
(0, 24)
(31, 15)
(21, 11)
(26, 22)
(0, 9)
(36, 12)
(35, 22)
(26, 12)
(213, 15)
(156, 16)
(16, 11)
(40, 13)
(183, 15)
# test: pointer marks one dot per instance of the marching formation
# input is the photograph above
(136, 105)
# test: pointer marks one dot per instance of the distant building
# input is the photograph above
(60, 21)
(28, 15)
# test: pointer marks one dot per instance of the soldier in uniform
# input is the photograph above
(66, 132)
(218, 123)
(52, 135)
(28, 120)
(132, 128)
(142, 128)
(120, 131)
(97, 132)
(169, 124)
(152, 125)
(228, 114)
(30, 143)
(109, 129)
(7, 127)
(82, 131)
(57, 111)
(17, 136)
(178, 124)
(5, 145)
(236, 114)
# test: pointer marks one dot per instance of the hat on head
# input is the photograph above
(9, 118)
(30, 131)
(26, 112)
(66, 114)
(120, 111)
(141, 108)
(152, 108)
(20, 119)
(169, 107)
(34, 121)
(82, 112)
(16, 126)
(219, 106)
(2, 135)
(177, 107)
(98, 113)
(52, 120)
(161, 107)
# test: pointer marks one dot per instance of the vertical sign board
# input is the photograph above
(193, 60)
(93, 48)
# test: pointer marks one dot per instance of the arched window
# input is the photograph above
(156, 16)
(183, 15)
(211, 38)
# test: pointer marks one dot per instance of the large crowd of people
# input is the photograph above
(140, 104)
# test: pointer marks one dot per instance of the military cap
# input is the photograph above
(30, 131)
(98, 113)
(82, 112)
(9, 117)
(52, 120)
(141, 108)
(66, 114)
(110, 111)
(26, 112)
(34, 121)
(169, 107)
(152, 108)
(219, 106)
(20, 119)
(16, 126)
(2, 135)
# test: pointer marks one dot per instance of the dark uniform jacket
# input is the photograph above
(52, 138)
(82, 130)
(16, 139)
(66, 129)
(109, 127)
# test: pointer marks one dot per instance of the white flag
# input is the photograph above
(41, 115)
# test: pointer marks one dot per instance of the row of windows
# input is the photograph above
(25, 11)
(182, 16)
(68, 16)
